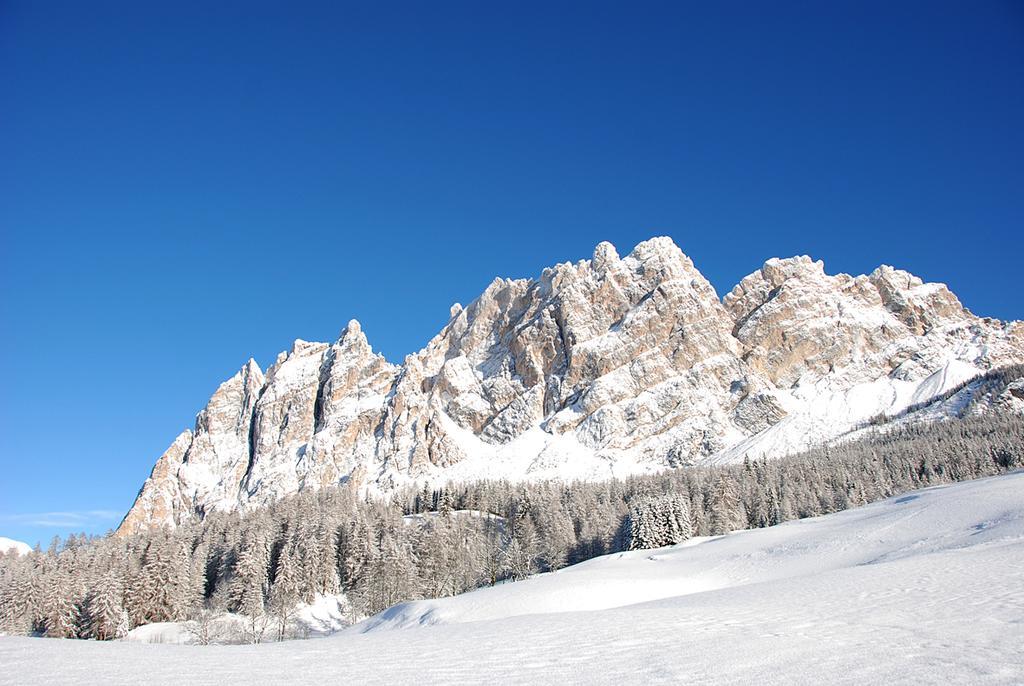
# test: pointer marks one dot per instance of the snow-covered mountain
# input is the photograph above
(925, 587)
(610, 366)
(10, 544)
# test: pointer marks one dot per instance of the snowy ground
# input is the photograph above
(925, 588)
(325, 615)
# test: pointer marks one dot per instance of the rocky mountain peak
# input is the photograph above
(920, 306)
(353, 340)
(605, 366)
(604, 255)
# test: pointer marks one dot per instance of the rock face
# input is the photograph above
(605, 367)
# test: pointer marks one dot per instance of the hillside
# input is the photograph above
(925, 588)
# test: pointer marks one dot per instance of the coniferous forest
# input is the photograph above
(449, 539)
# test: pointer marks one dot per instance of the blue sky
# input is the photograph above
(184, 185)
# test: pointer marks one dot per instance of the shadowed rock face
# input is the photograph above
(607, 366)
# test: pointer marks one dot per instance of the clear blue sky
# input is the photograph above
(187, 184)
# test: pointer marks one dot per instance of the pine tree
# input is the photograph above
(22, 604)
(725, 507)
(62, 612)
(123, 625)
(194, 590)
(156, 592)
(106, 606)
(329, 581)
(555, 532)
(248, 588)
(446, 503)
(284, 593)
(657, 521)
(424, 500)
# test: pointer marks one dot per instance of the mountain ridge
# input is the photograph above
(607, 366)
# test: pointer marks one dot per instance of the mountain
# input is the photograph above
(924, 587)
(609, 366)
(7, 544)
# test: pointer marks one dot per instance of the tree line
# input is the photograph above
(439, 541)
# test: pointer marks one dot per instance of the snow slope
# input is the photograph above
(926, 587)
(821, 411)
(903, 527)
(10, 544)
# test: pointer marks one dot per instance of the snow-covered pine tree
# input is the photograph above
(658, 520)
(328, 579)
(436, 560)
(725, 507)
(62, 612)
(395, 577)
(676, 510)
(446, 503)
(248, 588)
(144, 596)
(424, 500)
(106, 605)
(644, 530)
(284, 593)
(182, 596)
(21, 604)
(522, 553)
(556, 534)
(123, 625)
(195, 591)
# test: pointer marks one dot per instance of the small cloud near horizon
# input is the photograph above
(63, 520)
